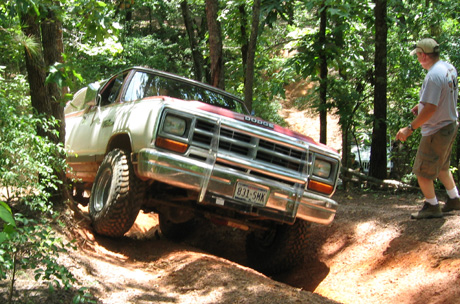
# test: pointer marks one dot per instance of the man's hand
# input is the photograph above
(423, 116)
(403, 134)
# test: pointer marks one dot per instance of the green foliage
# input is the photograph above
(349, 59)
(6, 216)
(157, 39)
(350, 50)
(65, 75)
(91, 21)
(27, 166)
(270, 73)
(151, 51)
(12, 45)
(33, 245)
(24, 156)
(83, 296)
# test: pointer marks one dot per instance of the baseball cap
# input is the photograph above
(426, 45)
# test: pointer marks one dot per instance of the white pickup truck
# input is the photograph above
(150, 140)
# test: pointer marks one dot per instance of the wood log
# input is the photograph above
(355, 176)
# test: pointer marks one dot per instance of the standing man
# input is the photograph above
(436, 114)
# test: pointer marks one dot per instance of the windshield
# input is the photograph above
(144, 85)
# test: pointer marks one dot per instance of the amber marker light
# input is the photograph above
(170, 144)
(320, 187)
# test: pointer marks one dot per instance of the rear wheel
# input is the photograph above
(278, 249)
(116, 196)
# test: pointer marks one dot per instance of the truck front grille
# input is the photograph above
(250, 147)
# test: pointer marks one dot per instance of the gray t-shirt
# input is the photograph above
(440, 88)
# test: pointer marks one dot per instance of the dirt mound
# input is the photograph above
(143, 267)
(372, 253)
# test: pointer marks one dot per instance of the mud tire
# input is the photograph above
(116, 195)
(279, 249)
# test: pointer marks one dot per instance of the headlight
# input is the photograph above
(174, 125)
(322, 168)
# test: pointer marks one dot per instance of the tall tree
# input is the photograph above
(323, 73)
(378, 161)
(215, 44)
(196, 54)
(244, 35)
(53, 47)
(45, 27)
(249, 71)
(35, 65)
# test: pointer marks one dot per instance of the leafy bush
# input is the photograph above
(27, 166)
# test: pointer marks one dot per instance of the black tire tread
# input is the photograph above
(285, 252)
(120, 211)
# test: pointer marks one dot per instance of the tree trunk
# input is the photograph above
(244, 35)
(249, 72)
(36, 71)
(215, 44)
(53, 47)
(346, 160)
(378, 161)
(323, 75)
(196, 54)
(46, 98)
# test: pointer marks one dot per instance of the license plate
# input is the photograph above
(250, 194)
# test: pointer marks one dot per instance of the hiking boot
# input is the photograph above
(451, 204)
(428, 211)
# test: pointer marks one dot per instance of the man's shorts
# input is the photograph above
(434, 152)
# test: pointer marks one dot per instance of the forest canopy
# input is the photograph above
(329, 43)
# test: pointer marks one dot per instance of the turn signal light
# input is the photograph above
(320, 187)
(170, 144)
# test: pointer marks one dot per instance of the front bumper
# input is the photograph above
(216, 184)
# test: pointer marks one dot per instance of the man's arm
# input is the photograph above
(426, 113)
(422, 117)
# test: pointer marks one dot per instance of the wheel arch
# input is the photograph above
(121, 141)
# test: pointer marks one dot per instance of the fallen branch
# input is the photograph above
(351, 175)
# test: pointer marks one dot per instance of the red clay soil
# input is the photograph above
(372, 253)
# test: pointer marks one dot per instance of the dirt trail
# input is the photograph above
(207, 267)
(372, 253)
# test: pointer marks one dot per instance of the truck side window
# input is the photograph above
(111, 92)
(138, 87)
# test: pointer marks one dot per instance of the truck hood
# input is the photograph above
(259, 122)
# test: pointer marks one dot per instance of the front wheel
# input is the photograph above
(116, 196)
(278, 249)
